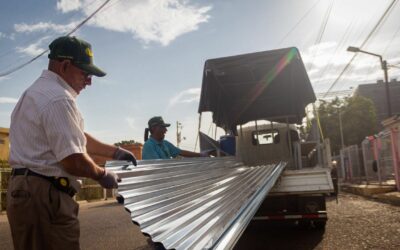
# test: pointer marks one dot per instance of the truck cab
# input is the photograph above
(267, 144)
(299, 195)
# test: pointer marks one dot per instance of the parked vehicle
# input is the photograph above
(259, 98)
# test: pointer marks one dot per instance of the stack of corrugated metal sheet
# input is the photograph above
(194, 203)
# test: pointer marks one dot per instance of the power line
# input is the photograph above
(334, 94)
(321, 32)
(391, 40)
(385, 18)
(69, 33)
(342, 42)
(363, 44)
(298, 22)
(30, 40)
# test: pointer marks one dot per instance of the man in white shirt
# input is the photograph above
(50, 150)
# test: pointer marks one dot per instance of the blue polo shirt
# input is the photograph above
(153, 149)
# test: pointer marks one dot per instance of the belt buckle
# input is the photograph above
(63, 182)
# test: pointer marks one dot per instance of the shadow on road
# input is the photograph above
(263, 235)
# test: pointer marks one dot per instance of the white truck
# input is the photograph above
(299, 195)
(268, 91)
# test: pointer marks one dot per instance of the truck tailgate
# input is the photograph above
(304, 181)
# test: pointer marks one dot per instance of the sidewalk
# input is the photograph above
(381, 193)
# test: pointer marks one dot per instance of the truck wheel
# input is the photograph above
(320, 225)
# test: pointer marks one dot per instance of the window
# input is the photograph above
(270, 136)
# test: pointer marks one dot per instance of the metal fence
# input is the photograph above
(378, 158)
(372, 162)
(350, 168)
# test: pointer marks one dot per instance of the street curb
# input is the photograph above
(391, 198)
(385, 194)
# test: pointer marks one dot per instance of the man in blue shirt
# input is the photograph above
(156, 147)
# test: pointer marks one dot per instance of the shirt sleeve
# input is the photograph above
(63, 126)
(174, 151)
(149, 152)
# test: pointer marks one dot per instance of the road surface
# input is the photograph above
(354, 223)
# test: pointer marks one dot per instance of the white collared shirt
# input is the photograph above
(46, 127)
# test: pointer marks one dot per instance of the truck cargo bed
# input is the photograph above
(305, 181)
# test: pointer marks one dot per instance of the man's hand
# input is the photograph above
(124, 155)
(109, 179)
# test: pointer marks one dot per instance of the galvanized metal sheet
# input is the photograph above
(198, 203)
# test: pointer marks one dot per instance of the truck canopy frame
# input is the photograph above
(271, 85)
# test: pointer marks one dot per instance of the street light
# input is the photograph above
(385, 71)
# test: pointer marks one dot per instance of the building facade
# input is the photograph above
(377, 93)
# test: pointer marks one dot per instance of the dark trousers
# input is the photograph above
(41, 216)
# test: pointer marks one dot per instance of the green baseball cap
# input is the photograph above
(78, 51)
(157, 121)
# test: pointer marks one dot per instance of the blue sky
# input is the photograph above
(153, 51)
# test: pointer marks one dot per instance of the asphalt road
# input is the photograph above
(354, 223)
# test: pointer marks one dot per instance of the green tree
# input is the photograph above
(123, 142)
(328, 113)
(358, 120)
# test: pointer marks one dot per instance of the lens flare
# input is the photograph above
(260, 87)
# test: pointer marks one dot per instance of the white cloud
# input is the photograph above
(2, 78)
(394, 61)
(68, 5)
(33, 49)
(44, 26)
(325, 61)
(322, 46)
(8, 100)
(10, 36)
(320, 55)
(160, 21)
(186, 96)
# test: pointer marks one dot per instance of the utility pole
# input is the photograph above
(385, 70)
(341, 128)
(178, 133)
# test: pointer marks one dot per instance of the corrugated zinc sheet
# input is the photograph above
(194, 204)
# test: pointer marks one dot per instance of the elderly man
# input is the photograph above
(50, 150)
(156, 147)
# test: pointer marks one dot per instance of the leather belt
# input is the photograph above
(61, 183)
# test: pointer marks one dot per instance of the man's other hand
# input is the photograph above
(124, 155)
